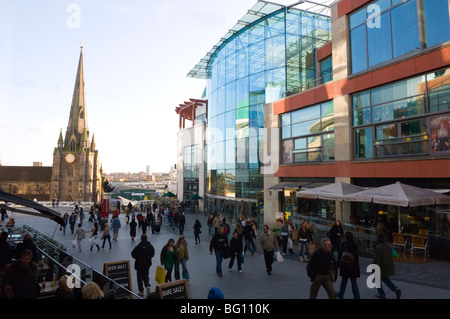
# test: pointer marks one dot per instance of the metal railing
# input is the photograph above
(54, 254)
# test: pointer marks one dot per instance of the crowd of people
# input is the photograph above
(17, 265)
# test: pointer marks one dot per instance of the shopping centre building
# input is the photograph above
(306, 95)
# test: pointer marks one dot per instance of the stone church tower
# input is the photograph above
(76, 174)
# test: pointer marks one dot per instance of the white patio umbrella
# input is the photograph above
(336, 191)
(399, 194)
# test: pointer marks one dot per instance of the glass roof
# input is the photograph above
(261, 9)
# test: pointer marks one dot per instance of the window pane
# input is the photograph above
(328, 147)
(358, 49)
(306, 128)
(416, 127)
(364, 145)
(439, 101)
(405, 28)
(379, 41)
(328, 123)
(286, 131)
(327, 108)
(300, 143)
(398, 109)
(437, 24)
(383, 4)
(358, 18)
(386, 131)
(438, 80)
(285, 119)
(361, 116)
(305, 114)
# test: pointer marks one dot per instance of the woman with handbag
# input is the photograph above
(168, 258)
(106, 235)
(304, 239)
(93, 238)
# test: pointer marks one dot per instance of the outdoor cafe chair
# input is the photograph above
(420, 243)
(400, 241)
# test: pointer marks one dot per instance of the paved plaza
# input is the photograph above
(430, 280)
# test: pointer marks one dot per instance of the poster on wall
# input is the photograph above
(440, 139)
(286, 151)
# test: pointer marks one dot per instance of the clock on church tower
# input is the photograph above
(70, 158)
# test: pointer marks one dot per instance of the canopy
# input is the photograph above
(169, 194)
(335, 191)
(42, 211)
(399, 194)
(195, 197)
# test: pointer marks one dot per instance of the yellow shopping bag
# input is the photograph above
(160, 276)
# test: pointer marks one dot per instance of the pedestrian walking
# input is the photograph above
(210, 225)
(115, 226)
(79, 235)
(321, 269)
(236, 251)
(268, 243)
(217, 222)
(65, 221)
(284, 233)
(219, 243)
(168, 258)
(249, 236)
(133, 226)
(106, 236)
(181, 222)
(335, 234)
(182, 257)
(143, 254)
(383, 258)
(348, 263)
(94, 235)
(197, 231)
(72, 222)
(304, 240)
(144, 225)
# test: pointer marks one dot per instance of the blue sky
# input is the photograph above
(136, 57)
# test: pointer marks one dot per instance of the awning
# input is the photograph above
(295, 185)
(43, 211)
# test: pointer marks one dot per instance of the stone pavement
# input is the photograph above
(429, 280)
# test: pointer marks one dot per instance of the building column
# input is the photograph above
(271, 156)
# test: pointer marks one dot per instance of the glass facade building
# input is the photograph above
(254, 66)
(389, 29)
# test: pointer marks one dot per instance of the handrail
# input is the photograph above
(41, 237)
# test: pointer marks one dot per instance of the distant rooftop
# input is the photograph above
(261, 9)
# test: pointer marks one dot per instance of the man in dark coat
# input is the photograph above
(26, 244)
(219, 243)
(321, 269)
(143, 254)
(20, 277)
(383, 258)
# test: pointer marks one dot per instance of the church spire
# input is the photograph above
(77, 129)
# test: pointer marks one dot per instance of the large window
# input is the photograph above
(269, 56)
(392, 120)
(326, 70)
(191, 161)
(308, 134)
(387, 29)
